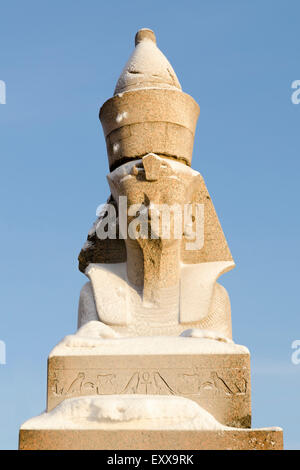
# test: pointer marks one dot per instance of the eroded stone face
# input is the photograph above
(148, 184)
(155, 197)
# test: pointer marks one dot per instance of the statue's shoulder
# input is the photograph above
(110, 289)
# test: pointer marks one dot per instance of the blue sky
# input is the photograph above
(60, 61)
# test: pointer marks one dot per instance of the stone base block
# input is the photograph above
(242, 439)
(213, 374)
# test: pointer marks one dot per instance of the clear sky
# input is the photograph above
(60, 61)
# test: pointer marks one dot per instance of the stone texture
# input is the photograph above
(155, 275)
(243, 439)
(218, 381)
(108, 298)
(147, 66)
(215, 247)
(149, 126)
(151, 120)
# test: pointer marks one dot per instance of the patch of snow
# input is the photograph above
(121, 116)
(116, 147)
(100, 211)
(88, 244)
(147, 67)
(96, 329)
(178, 167)
(208, 334)
(126, 412)
(127, 177)
(97, 338)
(92, 230)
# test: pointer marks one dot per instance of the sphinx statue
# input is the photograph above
(152, 364)
(144, 281)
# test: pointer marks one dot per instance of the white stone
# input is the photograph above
(147, 67)
(126, 412)
(89, 340)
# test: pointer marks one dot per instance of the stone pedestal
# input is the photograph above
(215, 375)
(154, 393)
(242, 439)
(136, 422)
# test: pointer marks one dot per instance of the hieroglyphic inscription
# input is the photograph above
(190, 382)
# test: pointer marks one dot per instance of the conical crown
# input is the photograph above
(147, 67)
(148, 113)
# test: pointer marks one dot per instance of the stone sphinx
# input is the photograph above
(153, 364)
(154, 284)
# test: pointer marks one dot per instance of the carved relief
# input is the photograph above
(191, 382)
(105, 384)
(83, 384)
(195, 383)
(148, 383)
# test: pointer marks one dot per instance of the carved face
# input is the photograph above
(156, 191)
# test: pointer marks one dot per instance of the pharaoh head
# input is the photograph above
(154, 191)
(165, 215)
(156, 215)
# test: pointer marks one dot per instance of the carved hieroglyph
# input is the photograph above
(226, 394)
(214, 374)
